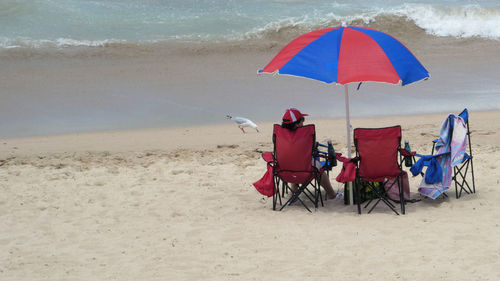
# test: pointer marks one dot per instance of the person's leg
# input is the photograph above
(325, 181)
(294, 187)
(326, 184)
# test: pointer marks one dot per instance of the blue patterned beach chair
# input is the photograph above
(461, 160)
(450, 160)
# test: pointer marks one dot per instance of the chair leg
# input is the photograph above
(283, 190)
(309, 194)
(319, 197)
(295, 196)
(358, 194)
(368, 203)
(459, 177)
(389, 204)
(472, 172)
(471, 159)
(317, 189)
(381, 196)
(461, 173)
(457, 193)
(276, 192)
(317, 193)
(312, 193)
(457, 172)
(402, 194)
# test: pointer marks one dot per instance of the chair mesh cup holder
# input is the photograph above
(329, 155)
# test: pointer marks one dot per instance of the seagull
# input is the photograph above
(243, 122)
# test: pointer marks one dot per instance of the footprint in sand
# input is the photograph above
(177, 172)
(426, 134)
(487, 133)
(97, 183)
(227, 146)
(176, 214)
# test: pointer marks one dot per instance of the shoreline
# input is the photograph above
(209, 136)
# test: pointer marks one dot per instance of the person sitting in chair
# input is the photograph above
(293, 119)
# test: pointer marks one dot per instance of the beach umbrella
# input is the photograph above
(348, 54)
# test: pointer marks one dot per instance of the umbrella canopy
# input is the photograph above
(348, 55)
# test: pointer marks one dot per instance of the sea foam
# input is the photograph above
(461, 22)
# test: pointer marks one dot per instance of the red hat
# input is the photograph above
(292, 115)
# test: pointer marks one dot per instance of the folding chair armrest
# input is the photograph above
(320, 144)
(407, 153)
(345, 159)
(355, 160)
(320, 155)
(268, 157)
(434, 145)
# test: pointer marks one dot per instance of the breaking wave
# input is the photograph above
(458, 22)
(408, 20)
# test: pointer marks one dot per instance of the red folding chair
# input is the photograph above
(378, 160)
(293, 163)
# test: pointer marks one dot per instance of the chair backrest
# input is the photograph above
(293, 151)
(447, 135)
(465, 115)
(377, 149)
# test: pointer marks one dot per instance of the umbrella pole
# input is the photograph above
(348, 126)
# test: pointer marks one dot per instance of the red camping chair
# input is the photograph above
(293, 163)
(378, 160)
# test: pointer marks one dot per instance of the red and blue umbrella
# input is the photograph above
(348, 55)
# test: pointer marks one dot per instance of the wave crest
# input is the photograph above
(460, 22)
(7, 43)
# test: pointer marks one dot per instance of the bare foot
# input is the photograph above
(335, 195)
(332, 195)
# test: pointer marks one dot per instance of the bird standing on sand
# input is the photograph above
(243, 122)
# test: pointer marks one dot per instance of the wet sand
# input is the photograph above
(120, 87)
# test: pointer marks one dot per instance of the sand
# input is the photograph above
(178, 204)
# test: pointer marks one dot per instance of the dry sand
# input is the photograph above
(178, 204)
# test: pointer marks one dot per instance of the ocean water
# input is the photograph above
(35, 23)
(71, 66)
